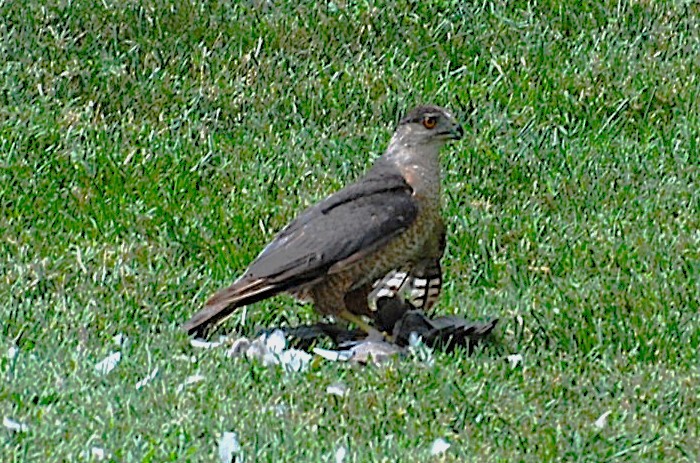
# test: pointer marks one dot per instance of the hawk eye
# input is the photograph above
(429, 122)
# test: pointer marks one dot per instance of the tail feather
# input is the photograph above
(222, 304)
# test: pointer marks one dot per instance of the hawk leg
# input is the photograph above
(329, 297)
(372, 333)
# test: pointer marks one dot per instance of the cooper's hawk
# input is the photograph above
(334, 252)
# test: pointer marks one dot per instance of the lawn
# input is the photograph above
(149, 150)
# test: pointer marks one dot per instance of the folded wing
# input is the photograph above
(328, 236)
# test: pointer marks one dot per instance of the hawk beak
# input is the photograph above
(456, 132)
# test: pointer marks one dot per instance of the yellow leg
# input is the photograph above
(372, 332)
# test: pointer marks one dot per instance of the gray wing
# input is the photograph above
(341, 229)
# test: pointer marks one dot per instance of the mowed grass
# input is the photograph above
(149, 150)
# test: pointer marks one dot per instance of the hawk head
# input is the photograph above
(427, 125)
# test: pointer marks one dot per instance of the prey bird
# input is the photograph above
(374, 237)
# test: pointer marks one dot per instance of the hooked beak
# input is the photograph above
(455, 133)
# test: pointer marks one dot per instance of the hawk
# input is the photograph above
(386, 227)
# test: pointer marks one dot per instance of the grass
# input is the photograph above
(149, 150)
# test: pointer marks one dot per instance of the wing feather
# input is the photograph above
(341, 229)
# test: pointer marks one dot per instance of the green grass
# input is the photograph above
(149, 150)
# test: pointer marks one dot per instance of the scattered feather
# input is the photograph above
(185, 358)
(415, 340)
(201, 344)
(14, 426)
(602, 420)
(119, 340)
(12, 352)
(267, 357)
(188, 381)
(439, 446)
(270, 349)
(419, 350)
(147, 379)
(376, 352)
(362, 352)
(334, 355)
(99, 453)
(340, 454)
(278, 410)
(275, 342)
(294, 360)
(515, 360)
(239, 347)
(338, 388)
(229, 448)
(109, 363)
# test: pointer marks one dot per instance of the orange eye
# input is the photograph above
(429, 122)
